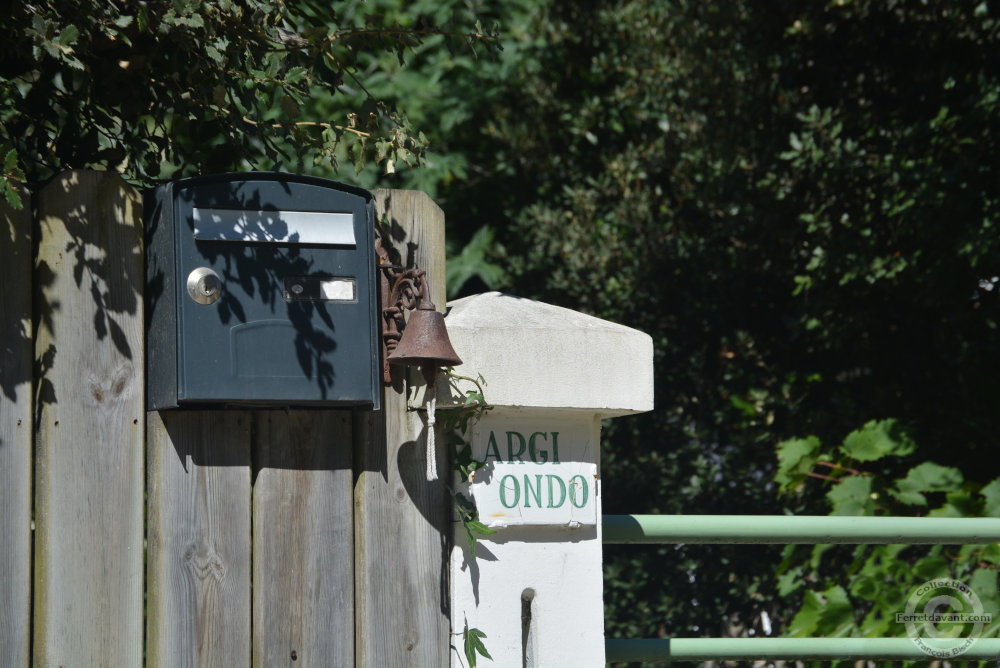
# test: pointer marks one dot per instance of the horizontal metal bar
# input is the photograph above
(804, 529)
(776, 649)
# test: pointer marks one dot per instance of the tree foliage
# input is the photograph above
(797, 202)
(167, 88)
(856, 591)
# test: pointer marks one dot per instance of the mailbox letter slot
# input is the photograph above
(279, 227)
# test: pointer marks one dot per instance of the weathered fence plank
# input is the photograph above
(303, 534)
(15, 434)
(313, 521)
(89, 491)
(402, 521)
(198, 564)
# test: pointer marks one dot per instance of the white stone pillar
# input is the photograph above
(535, 587)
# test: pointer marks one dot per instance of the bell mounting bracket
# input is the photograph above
(402, 289)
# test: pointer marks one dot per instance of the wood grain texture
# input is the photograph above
(303, 534)
(89, 480)
(402, 521)
(198, 559)
(15, 433)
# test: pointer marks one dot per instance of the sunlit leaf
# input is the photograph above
(852, 496)
(877, 439)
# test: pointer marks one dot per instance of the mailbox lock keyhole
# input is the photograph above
(204, 285)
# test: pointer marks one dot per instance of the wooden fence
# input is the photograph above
(194, 538)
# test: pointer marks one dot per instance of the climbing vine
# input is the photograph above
(456, 423)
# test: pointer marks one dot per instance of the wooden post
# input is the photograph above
(303, 532)
(198, 576)
(89, 481)
(15, 433)
(402, 521)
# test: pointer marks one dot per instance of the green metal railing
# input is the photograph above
(788, 529)
(799, 529)
(788, 649)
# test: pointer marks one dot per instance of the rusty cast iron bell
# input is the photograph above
(425, 342)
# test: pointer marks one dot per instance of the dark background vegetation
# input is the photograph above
(797, 201)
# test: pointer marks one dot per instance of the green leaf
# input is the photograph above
(932, 567)
(473, 645)
(69, 35)
(194, 21)
(984, 583)
(10, 194)
(480, 528)
(473, 261)
(290, 107)
(803, 625)
(470, 652)
(875, 624)
(989, 553)
(877, 439)
(927, 477)
(796, 458)
(743, 405)
(10, 161)
(958, 504)
(866, 588)
(789, 581)
(817, 554)
(991, 495)
(215, 54)
(852, 496)
(836, 618)
(295, 75)
(358, 155)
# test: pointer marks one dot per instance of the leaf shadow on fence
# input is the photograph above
(15, 301)
(87, 275)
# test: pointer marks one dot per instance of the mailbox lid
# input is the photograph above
(295, 321)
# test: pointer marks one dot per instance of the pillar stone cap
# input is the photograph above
(535, 355)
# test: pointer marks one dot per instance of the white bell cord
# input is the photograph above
(432, 471)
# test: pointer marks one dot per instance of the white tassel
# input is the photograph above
(432, 469)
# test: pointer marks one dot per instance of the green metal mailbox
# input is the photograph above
(261, 291)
